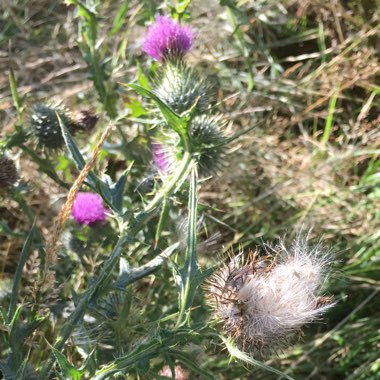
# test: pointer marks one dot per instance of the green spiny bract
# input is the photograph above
(181, 88)
(45, 125)
(8, 173)
(207, 142)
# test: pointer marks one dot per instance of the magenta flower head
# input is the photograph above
(160, 157)
(166, 37)
(88, 209)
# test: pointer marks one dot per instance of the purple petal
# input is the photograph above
(160, 157)
(88, 209)
(166, 36)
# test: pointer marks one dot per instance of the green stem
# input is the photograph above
(102, 280)
(190, 265)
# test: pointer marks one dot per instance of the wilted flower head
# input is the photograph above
(84, 120)
(264, 302)
(166, 37)
(181, 88)
(8, 173)
(179, 373)
(45, 125)
(88, 209)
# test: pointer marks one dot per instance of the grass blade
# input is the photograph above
(17, 278)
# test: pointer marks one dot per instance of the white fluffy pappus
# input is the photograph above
(264, 301)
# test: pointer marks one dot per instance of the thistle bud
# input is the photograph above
(8, 173)
(264, 302)
(207, 142)
(181, 88)
(45, 125)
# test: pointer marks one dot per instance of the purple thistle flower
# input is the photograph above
(88, 209)
(160, 157)
(165, 37)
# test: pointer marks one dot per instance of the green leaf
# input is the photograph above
(136, 107)
(45, 166)
(75, 153)
(113, 192)
(17, 277)
(162, 221)
(330, 117)
(89, 16)
(68, 370)
(181, 6)
(172, 118)
(20, 375)
(120, 17)
(15, 318)
(118, 190)
(16, 97)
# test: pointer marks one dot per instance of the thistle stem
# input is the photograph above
(190, 267)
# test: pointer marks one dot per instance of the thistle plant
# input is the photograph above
(111, 315)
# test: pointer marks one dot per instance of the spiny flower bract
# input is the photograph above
(207, 142)
(45, 125)
(88, 209)
(8, 173)
(181, 88)
(262, 303)
(166, 38)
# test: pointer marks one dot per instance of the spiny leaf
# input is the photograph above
(17, 278)
(68, 370)
(174, 121)
(238, 354)
(75, 153)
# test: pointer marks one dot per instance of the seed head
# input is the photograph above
(45, 125)
(263, 303)
(88, 209)
(166, 39)
(8, 173)
(181, 88)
